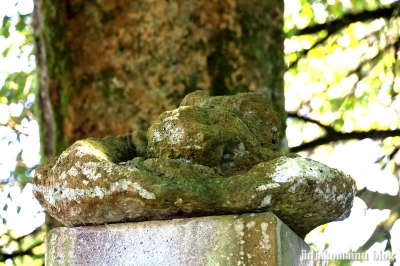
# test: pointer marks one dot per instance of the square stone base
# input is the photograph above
(247, 239)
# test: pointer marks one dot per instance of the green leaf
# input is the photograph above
(338, 124)
(20, 26)
(335, 104)
(6, 25)
(6, 51)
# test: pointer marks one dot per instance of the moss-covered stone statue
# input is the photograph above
(212, 155)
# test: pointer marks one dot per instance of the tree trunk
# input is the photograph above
(110, 67)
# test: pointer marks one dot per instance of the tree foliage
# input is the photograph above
(341, 86)
(21, 230)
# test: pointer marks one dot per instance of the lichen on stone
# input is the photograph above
(232, 133)
(212, 155)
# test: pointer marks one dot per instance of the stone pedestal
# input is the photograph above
(247, 239)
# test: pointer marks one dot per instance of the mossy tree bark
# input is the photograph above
(110, 67)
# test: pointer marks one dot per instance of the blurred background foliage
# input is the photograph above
(22, 227)
(342, 98)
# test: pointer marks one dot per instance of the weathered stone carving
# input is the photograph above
(212, 155)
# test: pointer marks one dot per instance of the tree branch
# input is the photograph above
(332, 135)
(310, 120)
(305, 51)
(389, 156)
(357, 71)
(376, 200)
(338, 24)
(12, 124)
(380, 234)
(28, 251)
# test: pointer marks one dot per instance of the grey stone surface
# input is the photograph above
(248, 239)
(232, 133)
(211, 156)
